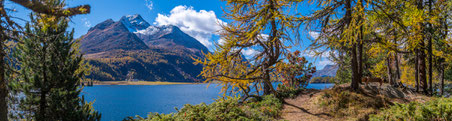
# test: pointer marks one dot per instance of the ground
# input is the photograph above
(307, 106)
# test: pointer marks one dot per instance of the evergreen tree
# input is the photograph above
(10, 31)
(51, 71)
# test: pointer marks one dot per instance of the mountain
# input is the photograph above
(327, 71)
(169, 37)
(155, 53)
(110, 35)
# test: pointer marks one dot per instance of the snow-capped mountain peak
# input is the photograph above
(134, 23)
(158, 30)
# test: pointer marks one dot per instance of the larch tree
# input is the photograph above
(262, 25)
(342, 26)
(10, 31)
(51, 69)
(419, 30)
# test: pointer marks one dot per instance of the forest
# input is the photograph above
(405, 43)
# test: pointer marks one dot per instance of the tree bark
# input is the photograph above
(355, 76)
(397, 66)
(422, 70)
(3, 81)
(416, 74)
(3, 84)
(430, 58)
(40, 7)
(421, 57)
(442, 81)
(44, 88)
(360, 54)
(396, 58)
(446, 31)
(397, 79)
(388, 62)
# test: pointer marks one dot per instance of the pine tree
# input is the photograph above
(51, 71)
(10, 31)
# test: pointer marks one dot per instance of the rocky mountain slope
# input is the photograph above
(131, 46)
(327, 71)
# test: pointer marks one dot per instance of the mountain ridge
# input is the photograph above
(327, 71)
(155, 53)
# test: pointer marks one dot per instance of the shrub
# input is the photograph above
(344, 103)
(223, 109)
(435, 110)
(287, 91)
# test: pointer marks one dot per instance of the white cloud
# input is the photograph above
(323, 62)
(307, 53)
(249, 52)
(149, 4)
(314, 34)
(86, 22)
(221, 41)
(201, 24)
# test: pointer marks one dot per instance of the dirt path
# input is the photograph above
(303, 108)
(306, 106)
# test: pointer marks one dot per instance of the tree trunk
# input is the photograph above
(3, 81)
(355, 76)
(446, 31)
(397, 79)
(388, 62)
(44, 88)
(422, 70)
(421, 57)
(360, 54)
(397, 66)
(3, 85)
(416, 74)
(266, 86)
(396, 59)
(442, 81)
(356, 62)
(430, 58)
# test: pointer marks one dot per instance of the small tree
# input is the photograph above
(131, 74)
(295, 73)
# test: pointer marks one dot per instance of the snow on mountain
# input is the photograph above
(134, 23)
(156, 30)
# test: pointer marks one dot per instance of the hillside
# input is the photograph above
(327, 71)
(154, 53)
(338, 103)
(325, 75)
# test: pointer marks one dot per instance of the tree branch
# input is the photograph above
(40, 7)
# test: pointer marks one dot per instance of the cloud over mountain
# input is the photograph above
(201, 24)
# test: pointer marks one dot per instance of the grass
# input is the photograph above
(223, 109)
(342, 103)
(439, 109)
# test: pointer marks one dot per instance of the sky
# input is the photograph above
(198, 18)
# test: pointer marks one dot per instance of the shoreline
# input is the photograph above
(141, 83)
(154, 83)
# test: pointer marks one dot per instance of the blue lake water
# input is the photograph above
(116, 102)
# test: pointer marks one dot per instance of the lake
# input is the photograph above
(116, 102)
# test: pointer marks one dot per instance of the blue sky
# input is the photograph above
(198, 18)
